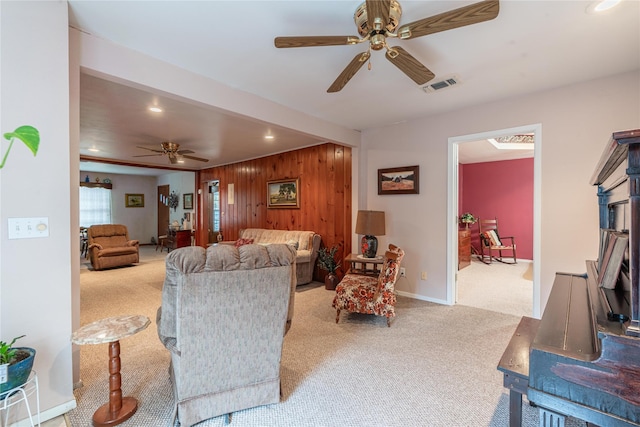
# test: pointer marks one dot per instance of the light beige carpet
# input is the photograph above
(499, 287)
(435, 365)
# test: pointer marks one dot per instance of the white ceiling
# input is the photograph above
(531, 46)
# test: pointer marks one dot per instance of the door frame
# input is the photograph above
(452, 206)
(162, 228)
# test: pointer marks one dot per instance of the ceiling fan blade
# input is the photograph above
(351, 69)
(467, 15)
(148, 155)
(378, 14)
(409, 65)
(173, 160)
(180, 152)
(150, 149)
(307, 41)
(200, 159)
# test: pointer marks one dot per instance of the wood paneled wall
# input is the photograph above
(325, 195)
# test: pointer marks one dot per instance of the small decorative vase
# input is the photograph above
(219, 237)
(330, 282)
(369, 246)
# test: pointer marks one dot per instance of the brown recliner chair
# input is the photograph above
(109, 246)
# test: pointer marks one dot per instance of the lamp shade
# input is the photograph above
(370, 223)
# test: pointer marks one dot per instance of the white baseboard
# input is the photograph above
(49, 414)
(422, 297)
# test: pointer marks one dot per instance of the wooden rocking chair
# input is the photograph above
(491, 241)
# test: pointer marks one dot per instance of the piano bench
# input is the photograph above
(514, 364)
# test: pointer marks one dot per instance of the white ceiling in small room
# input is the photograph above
(509, 147)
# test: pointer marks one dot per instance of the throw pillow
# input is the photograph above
(495, 240)
(294, 243)
(241, 242)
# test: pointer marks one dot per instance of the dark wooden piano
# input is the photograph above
(584, 359)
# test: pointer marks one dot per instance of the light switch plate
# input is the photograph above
(28, 228)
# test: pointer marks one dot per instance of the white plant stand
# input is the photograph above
(19, 394)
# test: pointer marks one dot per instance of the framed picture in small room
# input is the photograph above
(402, 180)
(134, 200)
(187, 201)
(283, 193)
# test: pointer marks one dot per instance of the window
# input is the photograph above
(95, 206)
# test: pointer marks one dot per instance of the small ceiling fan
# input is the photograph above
(172, 151)
(377, 20)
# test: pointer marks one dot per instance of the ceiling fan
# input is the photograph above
(172, 151)
(377, 20)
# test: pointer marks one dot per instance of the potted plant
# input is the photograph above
(15, 364)
(28, 135)
(327, 261)
(467, 218)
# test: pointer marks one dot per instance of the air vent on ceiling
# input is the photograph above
(442, 84)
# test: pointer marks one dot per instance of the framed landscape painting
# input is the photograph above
(402, 180)
(187, 201)
(283, 193)
(134, 200)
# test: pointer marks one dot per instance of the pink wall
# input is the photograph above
(502, 190)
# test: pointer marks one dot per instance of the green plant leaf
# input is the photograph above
(28, 135)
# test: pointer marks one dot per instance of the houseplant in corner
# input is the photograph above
(327, 261)
(15, 364)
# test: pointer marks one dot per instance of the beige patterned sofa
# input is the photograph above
(306, 243)
(224, 314)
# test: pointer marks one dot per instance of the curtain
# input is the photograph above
(95, 206)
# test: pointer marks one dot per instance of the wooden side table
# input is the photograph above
(464, 248)
(112, 330)
(358, 260)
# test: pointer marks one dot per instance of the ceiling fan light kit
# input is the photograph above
(376, 21)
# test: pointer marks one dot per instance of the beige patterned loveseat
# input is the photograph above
(306, 243)
(224, 314)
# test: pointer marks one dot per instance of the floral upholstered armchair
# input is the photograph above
(358, 293)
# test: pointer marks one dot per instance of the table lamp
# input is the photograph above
(370, 224)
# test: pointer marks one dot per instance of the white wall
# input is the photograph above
(182, 183)
(36, 274)
(577, 122)
(140, 222)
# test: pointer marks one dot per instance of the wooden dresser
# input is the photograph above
(177, 238)
(464, 248)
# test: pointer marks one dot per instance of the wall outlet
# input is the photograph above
(403, 273)
(423, 276)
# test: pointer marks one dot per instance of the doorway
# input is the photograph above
(213, 208)
(163, 209)
(452, 208)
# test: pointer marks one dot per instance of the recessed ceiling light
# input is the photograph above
(155, 109)
(95, 150)
(601, 6)
(269, 137)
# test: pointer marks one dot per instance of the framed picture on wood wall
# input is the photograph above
(284, 193)
(187, 201)
(134, 200)
(402, 180)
